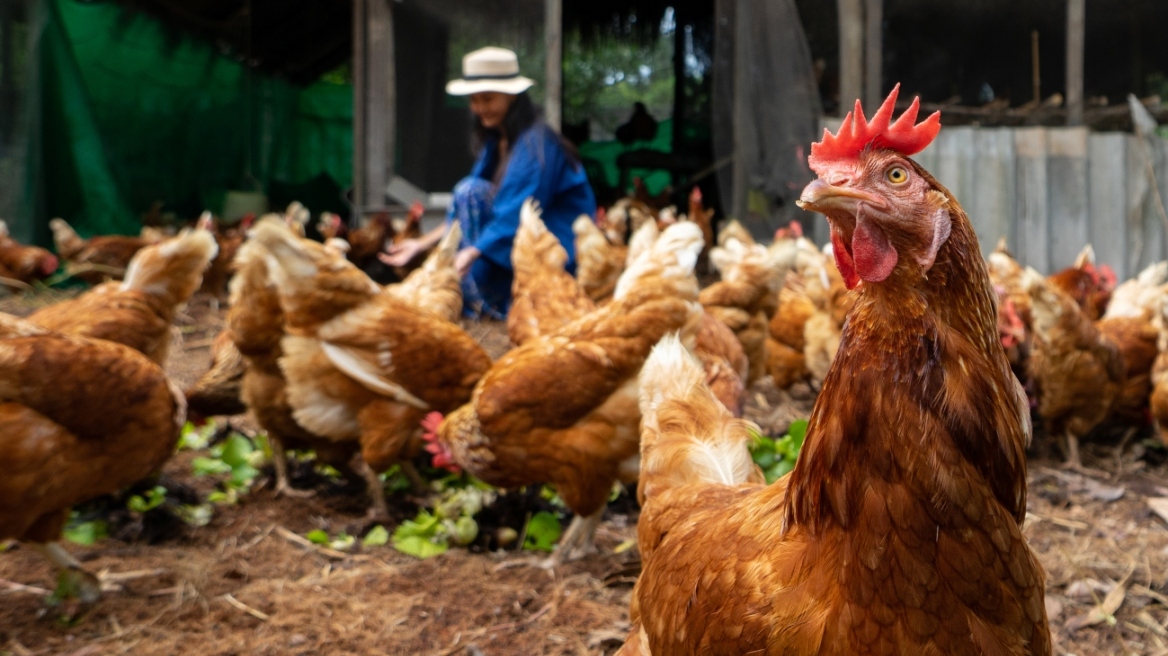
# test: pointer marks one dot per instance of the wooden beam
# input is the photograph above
(554, 39)
(873, 53)
(851, 53)
(742, 113)
(359, 85)
(1076, 35)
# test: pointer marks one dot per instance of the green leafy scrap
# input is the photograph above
(238, 457)
(151, 500)
(84, 533)
(419, 537)
(376, 537)
(543, 531)
(451, 522)
(777, 457)
(196, 439)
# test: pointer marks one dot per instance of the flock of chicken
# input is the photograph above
(906, 508)
(1088, 352)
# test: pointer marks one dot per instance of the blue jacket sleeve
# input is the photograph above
(534, 164)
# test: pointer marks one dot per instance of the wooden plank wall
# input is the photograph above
(1050, 191)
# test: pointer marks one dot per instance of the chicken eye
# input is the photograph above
(897, 175)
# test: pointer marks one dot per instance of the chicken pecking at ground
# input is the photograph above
(237, 381)
(139, 310)
(98, 258)
(79, 418)
(362, 366)
(255, 325)
(562, 408)
(545, 296)
(24, 263)
(599, 262)
(900, 529)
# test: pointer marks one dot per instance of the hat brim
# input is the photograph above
(513, 85)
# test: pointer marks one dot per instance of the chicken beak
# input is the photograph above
(822, 197)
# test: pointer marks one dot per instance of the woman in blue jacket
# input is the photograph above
(518, 156)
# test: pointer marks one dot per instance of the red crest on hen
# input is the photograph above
(856, 133)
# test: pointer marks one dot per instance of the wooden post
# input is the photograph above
(851, 53)
(1076, 31)
(873, 52)
(554, 40)
(381, 121)
(359, 86)
(742, 113)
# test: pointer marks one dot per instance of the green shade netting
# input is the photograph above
(127, 113)
(605, 153)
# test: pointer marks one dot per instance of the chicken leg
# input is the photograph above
(379, 508)
(73, 580)
(1074, 460)
(577, 541)
(280, 462)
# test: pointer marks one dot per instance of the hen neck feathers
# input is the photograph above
(920, 396)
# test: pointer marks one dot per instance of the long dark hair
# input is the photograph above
(520, 116)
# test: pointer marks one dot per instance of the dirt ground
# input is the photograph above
(247, 583)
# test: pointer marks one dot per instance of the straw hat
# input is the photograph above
(489, 69)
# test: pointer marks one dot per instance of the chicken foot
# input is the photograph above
(1074, 461)
(73, 580)
(577, 541)
(379, 508)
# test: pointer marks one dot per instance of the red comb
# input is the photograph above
(442, 459)
(696, 195)
(430, 423)
(1108, 275)
(905, 136)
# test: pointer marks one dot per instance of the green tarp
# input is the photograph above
(124, 113)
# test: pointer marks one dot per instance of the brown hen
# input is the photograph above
(361, 365)
(79, 418)
(562, 408)
(545, 296)
(899, 530)
(138, 312)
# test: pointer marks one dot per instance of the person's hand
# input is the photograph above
(401, 253)
(465, 258)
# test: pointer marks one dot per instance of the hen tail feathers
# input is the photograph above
(687, 435)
